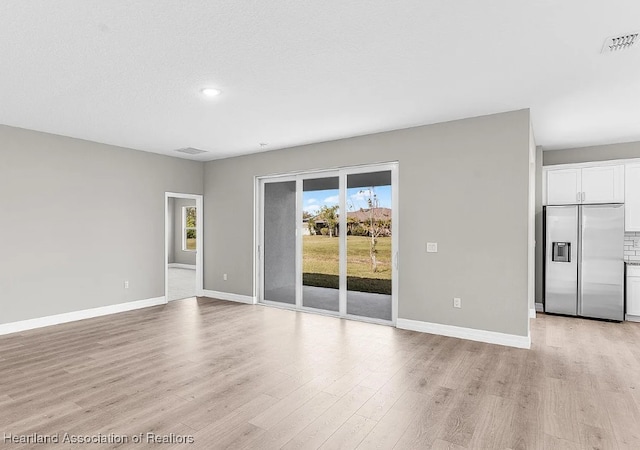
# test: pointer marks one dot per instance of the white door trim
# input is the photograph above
(395, 240)
(199, 241)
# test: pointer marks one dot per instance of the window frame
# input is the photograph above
(185, 229)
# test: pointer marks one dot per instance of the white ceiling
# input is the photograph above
(300, 71)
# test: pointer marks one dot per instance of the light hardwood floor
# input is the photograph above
(241, 376)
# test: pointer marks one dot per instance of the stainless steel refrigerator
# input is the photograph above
(584, 262)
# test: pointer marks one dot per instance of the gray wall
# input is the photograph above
(79, 218)
(176, 254)
(595, 153)
(464, 178)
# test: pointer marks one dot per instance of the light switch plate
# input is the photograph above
(432, 247)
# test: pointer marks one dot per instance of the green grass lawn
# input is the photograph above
(321, 263)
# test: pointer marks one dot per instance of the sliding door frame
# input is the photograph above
(342, 173)
(259, 239)
(300, 235)
(395, 251)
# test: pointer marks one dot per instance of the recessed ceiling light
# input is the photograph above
(210, 92)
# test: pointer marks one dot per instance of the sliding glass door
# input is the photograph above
(328, 244)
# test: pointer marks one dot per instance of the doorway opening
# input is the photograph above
(328, 242)
(183, 246)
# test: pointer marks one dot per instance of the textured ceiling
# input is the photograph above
(298, 71)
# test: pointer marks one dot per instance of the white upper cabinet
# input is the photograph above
(632, 197)
(603, 184)
(563, 186)
(598, 184)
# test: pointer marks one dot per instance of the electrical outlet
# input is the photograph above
(457, 302)
(224, 277)
(636, 242)
(126, 285)
(432, 247)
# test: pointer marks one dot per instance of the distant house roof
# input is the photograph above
(360, 216)
(363, 214)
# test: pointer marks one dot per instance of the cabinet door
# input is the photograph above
(633, 296)
(632, 198)
(603, 184)
(563, 186)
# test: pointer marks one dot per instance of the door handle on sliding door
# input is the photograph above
(396, 263)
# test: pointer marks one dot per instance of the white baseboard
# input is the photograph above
(181, 266)
(490, 337)
(630, 318)
(228, 296)
(532, 313)
(539, 307)
(30, 324)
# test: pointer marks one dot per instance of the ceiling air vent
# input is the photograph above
(191, 151)
(618, 43)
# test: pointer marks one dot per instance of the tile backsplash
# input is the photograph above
(632, 246)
